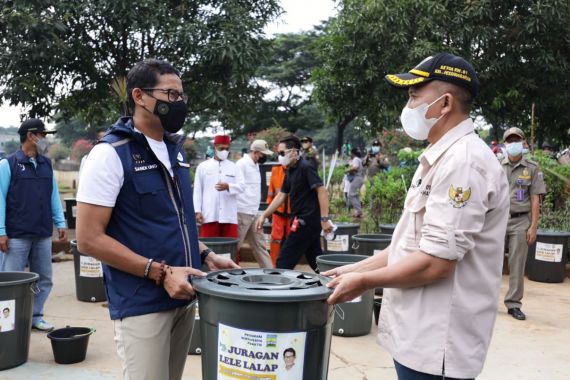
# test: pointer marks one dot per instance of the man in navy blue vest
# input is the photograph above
(29, 204)
(135, 214)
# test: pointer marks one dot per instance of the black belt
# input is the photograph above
(517, 214)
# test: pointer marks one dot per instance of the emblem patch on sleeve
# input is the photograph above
(459, 197)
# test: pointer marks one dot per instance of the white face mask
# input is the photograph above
(222, 154)
(414, 120)
(284, 160)
(41, 144)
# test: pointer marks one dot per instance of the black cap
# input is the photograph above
(444, 67)
(33, 125)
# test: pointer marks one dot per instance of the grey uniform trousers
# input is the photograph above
(518, 251)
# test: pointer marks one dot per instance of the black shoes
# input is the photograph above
(517, 314)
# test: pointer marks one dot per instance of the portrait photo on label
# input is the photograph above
(256, 355)
(7, 315)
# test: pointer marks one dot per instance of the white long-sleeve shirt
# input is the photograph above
(217, 206)
(248, 200)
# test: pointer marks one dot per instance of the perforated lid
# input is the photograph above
(265, 285)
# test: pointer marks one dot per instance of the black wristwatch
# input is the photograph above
(325, 218)
(204, 253)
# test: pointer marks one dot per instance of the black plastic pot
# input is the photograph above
(342, 242)
(196, 340)
(251, 317)
(17, 294)
(387, 228)
(265, 171)
(70, 206)
(267, 235)
(69, 344)
(223, 246)
(370, 244)
(377, 307)
(89, 286)
(546, 260)
(353, 318)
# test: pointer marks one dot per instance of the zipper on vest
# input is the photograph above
(181, 222)
(185, 229)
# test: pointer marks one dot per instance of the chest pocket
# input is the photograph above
(415, 205)
(522, 181)
(151, 191)
(229, 178)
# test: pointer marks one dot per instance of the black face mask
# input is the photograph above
(262, 159)
(171, 115)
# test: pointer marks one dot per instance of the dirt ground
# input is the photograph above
(537, 348)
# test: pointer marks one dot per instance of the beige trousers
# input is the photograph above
(255, 238)
(155, 346)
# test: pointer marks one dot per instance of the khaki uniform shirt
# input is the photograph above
(525, 179)
(456, 209)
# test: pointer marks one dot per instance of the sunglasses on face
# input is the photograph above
(284, 152)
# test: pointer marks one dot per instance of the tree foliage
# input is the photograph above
(65, 54)
(286, 75)
(520, 49)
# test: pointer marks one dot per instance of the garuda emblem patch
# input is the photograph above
(459, 197)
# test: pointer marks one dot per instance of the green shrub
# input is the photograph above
(386, 193)
(557, 179)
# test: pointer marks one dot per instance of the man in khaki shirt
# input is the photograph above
(526, 184)
(442, 271)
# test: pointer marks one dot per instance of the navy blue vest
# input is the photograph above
(28, 202)
(153, 216)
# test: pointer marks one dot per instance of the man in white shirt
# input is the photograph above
(249, 199)
(442, 271)
(217, 183)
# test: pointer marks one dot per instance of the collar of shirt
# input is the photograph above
(249, 160)
(434, 151)
(506, 161)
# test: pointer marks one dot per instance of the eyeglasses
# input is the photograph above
(282, 153)
(173, 95)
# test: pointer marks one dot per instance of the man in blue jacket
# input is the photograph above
(135, 214)
(29, 204)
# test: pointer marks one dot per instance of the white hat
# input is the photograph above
(260, 146)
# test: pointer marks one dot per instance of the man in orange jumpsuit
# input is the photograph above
(281, 226)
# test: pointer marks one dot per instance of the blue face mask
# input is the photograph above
(375, 149)
(525, 151)
(515, 149)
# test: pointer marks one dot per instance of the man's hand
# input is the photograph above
(339, 271)
(347, 287)
(260, 221)
(327, 226)
(62, 234)
(176, 282)
(531, 235)
(222, 186)
(199, 218)
(216, 262)
(4, 244)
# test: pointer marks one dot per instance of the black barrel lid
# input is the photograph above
(264, 285)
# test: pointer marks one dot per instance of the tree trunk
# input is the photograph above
(340, 127)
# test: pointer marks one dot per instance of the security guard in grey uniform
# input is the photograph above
(526, 184)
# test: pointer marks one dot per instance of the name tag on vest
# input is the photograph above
(143, 168)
